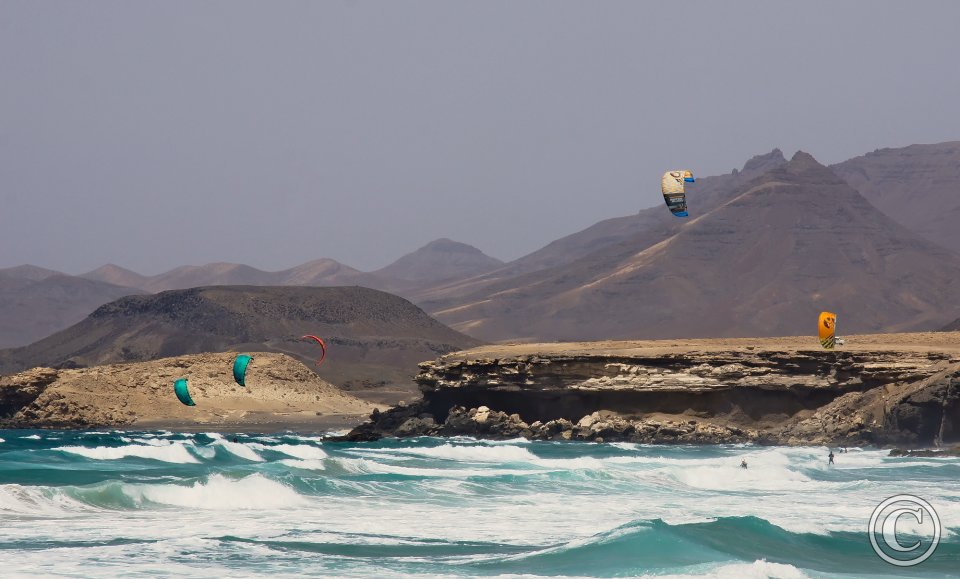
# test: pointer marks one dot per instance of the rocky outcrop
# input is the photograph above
(793, 396)
(280, 392)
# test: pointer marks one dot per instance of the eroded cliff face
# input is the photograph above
(790, 396)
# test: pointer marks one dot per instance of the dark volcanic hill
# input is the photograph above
(36, 304)
(953, 326)
(374, 338)
(439, 260)
(918, 186)
(785, 246)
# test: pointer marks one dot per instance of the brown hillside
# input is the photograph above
(438, 260)
(918, 186)
(32, 308)
(793, 242)
(641, 229)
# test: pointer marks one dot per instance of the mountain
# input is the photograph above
(116, 275)
(37, 305)
(783, 247)
(317, 272)
(439, 260)
(320, 272)
(706, 194)
(918, 186)
(953, 326)
(374, 338)
(188, 276)
(646, 227)
(27, 272)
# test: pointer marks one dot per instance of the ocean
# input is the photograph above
(135, 504)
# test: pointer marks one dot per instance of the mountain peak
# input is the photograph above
(29, 272)
(445, 244)
(764, 163)
(111, 273)
(802, 158)
(441, 259)
(803, 167)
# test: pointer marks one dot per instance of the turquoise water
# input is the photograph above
(133, 504)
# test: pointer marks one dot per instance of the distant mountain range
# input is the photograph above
(882, 252)
(35, 302)
(438, 260)
(375, 339)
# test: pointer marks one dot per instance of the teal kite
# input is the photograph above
(180, 389)
(240, 368)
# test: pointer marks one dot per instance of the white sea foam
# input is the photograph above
(170, 452)
(36, 500)
(300, 451)
(304, 451)
(365, 466)
(239, 449)
(485, 442)
(466, 453)
(304, 464)
(757, 570)
(576, 463)
(255, 492)
(303, 438)
(31, 437)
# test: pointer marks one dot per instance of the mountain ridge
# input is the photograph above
(739, 260)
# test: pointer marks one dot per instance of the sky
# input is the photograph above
(157, 134)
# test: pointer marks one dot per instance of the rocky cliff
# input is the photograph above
(899, 389)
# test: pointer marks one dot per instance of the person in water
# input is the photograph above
(743, 463)
(830, 456)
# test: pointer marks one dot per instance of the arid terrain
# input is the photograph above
(934, 342)
(280, 393)
(886, 389)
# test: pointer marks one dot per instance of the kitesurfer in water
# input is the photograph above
(743, 463)
(830, 456)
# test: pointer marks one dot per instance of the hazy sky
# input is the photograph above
(157, 134)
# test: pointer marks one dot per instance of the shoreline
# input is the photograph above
(335, 431)
(325, 425)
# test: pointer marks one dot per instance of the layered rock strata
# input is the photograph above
(882, 396)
